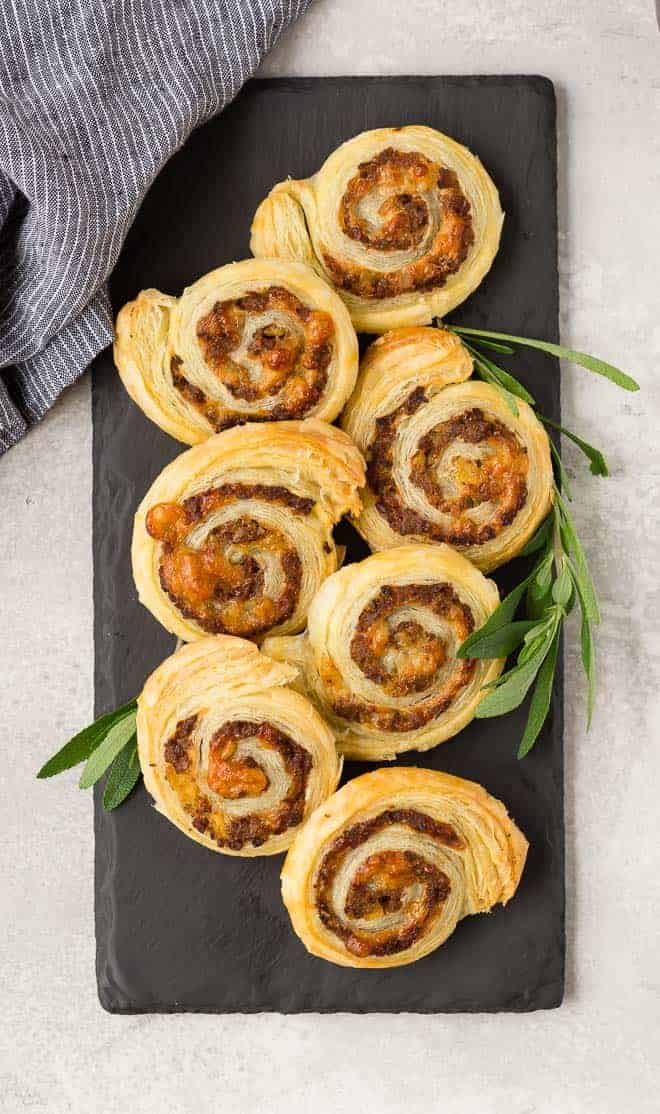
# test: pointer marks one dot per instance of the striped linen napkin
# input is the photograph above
(94, 99)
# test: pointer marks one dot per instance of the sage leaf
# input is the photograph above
(79, 748)
(541, 697)
(597, 462)
(505, 379)
(501, 642)
(591, 363)
(539, 539)
(483, 373)
(123, 776)
(501, 616)
(563, 586)
(589, 665)
(575, 552)
(100, 759)
(509, 399)
(513, 690)
(497, 346)
(588, 655)
(564, 481)
(536, 643)
(540, 587)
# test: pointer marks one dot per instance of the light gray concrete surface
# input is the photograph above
(596, 1055)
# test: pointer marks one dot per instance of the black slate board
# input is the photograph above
(181, 928)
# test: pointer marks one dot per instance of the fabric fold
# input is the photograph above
(95, 100)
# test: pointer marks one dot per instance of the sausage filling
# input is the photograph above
(393, 894)
(268, 350)
(469, 462)
(407, 656)
(208, 793)
(400, 201)
(220, 580)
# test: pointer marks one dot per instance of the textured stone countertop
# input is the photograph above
(598, 1054)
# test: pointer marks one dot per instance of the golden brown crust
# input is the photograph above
(383, 871)
(448, 461)
(404, 222)
(235, 536)
(230, 754)
(379, 654)
(259, 340)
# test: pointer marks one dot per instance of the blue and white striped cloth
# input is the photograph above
(95, 96)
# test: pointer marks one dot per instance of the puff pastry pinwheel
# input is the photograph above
(235, 535)
(383, 871)
(448, 461)
(379, 654)
(259, 340)
(404, 222)
(229, 753)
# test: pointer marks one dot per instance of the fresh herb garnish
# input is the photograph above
(591, 363)
(597, 462)
(123, 776)
(560, 577)
(475, 340)
(109, 742)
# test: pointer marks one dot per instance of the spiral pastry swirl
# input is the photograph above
(379, 654)
(259, 340)
(229, 753)
(404, 222)
(448, 461)
(235, 535)
(383, 872)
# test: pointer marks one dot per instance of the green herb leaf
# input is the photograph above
(540, 587)
(541, 697)
(549, 599)
(588, 655)
(561, 575)
(563, 587)
(501, 616)
(513, 689)
(79, 748)
(501, 642)
(564, 481)
(100, 759)
(575, 551)
(591, 363)
(539, 638)
(495, 346)
(539, 539)
(509, 399)
(504, 378)
(483, 373)
(123, 776)
(589, 665)
(598, 464)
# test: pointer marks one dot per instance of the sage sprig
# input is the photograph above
(110, 743)
(123, 776)
(560, 578)
(476, 340)
(487, 338)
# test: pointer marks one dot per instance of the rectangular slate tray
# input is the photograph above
(179, 928)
